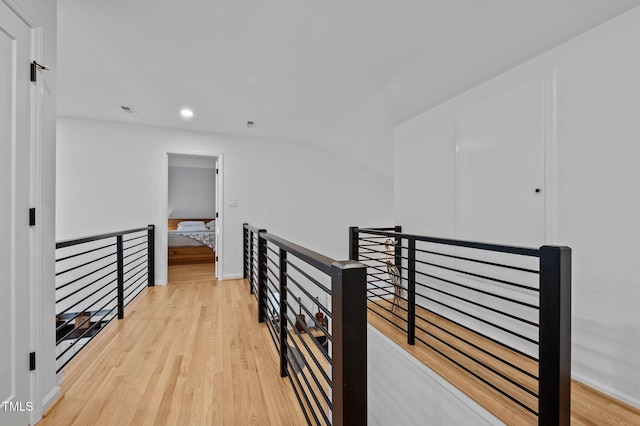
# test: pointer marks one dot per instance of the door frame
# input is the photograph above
(37, 262)
(163, 228)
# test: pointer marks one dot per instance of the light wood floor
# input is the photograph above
(189, 353)
(588, 406)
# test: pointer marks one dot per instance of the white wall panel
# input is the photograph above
(596, 199)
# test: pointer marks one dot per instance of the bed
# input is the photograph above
(191, 243)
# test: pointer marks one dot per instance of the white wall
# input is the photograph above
(429, 400)
(109, 177)
(192, 192)
(596, 195)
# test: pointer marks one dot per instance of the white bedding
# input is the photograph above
(192, 239)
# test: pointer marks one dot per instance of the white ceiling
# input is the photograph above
(295, 67)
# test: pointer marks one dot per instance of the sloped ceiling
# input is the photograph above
(295, 67)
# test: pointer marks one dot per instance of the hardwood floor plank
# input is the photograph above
(189, 353)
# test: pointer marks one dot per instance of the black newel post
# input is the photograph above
(411, 292)
(151, 255)
(398, 249)
(245, 248)
(554, 400)
(349, 310)
(120, 265)
(262, 274)
(354, 243)
(282, 317)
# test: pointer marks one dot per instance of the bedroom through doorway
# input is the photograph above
(192, 218)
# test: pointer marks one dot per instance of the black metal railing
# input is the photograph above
(96, 277)
(500, 313)
(315, 311)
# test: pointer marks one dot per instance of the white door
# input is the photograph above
(501, 168)
(15, 109)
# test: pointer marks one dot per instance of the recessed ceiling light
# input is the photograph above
(186, 113)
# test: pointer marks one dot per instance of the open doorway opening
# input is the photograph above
(193, 222)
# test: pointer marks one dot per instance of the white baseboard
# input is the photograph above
(51, 398)
(233, 276)
(614, 393)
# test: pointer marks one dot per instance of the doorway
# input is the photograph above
(192, 231)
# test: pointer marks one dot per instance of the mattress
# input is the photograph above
(192, 239)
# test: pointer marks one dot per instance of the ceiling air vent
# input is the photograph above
(128, 109)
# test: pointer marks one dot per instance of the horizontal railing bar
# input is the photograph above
(484, 336)
(133, 277)
(88, 319)
(273, 251)
(304, 394)
(76, 339)
(84, 264)
(484, 262)
(488, 293)
(480, 305)
(390, 293)
(313, 357)
(84, 252)
(497, 280)
(309, 295)
(387, 319)
(309, 277)
(312, 315)
(388, 310)
(134, 245)
(477, 347)
(84, 287)
(134, 267)
(293, 386)
(124, 240)
(499, 327)
(314, 376)
(273, 337)
(306, 329)
(523, 251)
(88, 296)
(451, 256)
(74, 242)
(141, 286)
(60, 287)
(313, 394)
(487, 367)
(487, 382)
(134, 253)
(273, 262)
(317, 260)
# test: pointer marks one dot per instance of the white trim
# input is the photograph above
(232, 277)
(36, 201)
(50, 399)
(21, 13)
(164, 208)
(634, 401)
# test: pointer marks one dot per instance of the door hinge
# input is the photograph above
(216, 258)
(34, 70)
(32, 361)
(217, 171)
(216, 215)
(32, 216)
